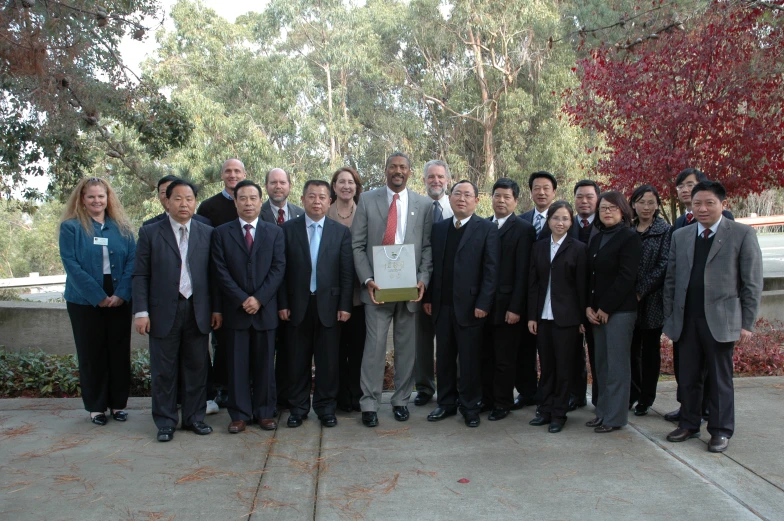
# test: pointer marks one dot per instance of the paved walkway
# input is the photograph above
(55, 465)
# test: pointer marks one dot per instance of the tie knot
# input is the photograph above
(458, 224)
(248, 227)
(585, 223)
(689, 217)
(706, 233)
(397, 196)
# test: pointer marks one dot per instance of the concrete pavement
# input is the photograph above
(55, 465)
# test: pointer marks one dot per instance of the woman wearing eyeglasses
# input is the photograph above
(646, 342)
(97, 248)
(613, 260)
(556, 301)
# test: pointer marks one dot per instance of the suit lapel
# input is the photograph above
(238, 234)
(691, 236)
(507, 225)
(381, 203)
(301, 234)
(168, 235)
(260, 233)
(411, 216)
(567, 242)
(468, 231)
(722, 233)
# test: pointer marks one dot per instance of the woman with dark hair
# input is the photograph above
(97, 248)
(556, 300)
(346, 187)
(655, 234)
(613, 260)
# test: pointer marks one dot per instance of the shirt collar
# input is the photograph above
(543, 214)
(309, 221)
(463, 222)
(227, 195)
(502, 220)
(559, 243)
(253, 223)
(403, 194)
(176, 226)
(275, 208)
(590, 218)
(701, 228)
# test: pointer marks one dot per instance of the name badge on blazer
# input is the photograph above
(100, 241)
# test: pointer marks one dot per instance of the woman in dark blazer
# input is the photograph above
(97, 248)
(613, 260)
(556, 301)
(646, 341)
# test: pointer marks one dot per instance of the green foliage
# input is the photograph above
(29, 242)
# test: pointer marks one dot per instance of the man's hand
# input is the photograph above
(532, 326)
(512, 318)
(478, 313)
(592, 318)
(284, 314)
(420, 291)
(142, 325)
(428, 308)
(217, 321)
(745, 336)
(251, 305)
(343, 316)
(372, 287)
(115, 301)
(582, 329)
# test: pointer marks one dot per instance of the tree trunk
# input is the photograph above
(331, 125)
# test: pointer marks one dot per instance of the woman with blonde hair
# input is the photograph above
(97, 248)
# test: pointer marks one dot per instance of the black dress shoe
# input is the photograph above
(295, 420)
(641, 409)
(472, 421)
(539, 421)
(520, 402)
(498, 414)
(673, 416)
(484, 407)
(572, 405)
(400, 412)
(99, 419)
(594, 423)
(422, 398)
(120, 416)
(165, 433)
(718, 443)
(680, 434)
(200, 428)
(369, 418)
(439, 413)
(555, 427)
(328, 420)
(602, 429)
(222, 398)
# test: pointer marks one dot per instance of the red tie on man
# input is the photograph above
(248, 236)
(281, 216)
(389, 234)
(706, 233)
(586, 223)
(689, 218)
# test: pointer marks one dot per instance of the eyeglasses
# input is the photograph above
(608, 209)
(687, 186)
(646, 204)
(560, 219)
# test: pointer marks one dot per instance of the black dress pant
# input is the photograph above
(251, 361)
(352, 345)
(579, 372)
(453, 340)
(557, 348)
(179, 356)
(308, 342)
(282, 383)
(103, 346)
(526, 374)
(220, 365)
(700, 352)
(500, 344)
(646, 365)
(676, 359)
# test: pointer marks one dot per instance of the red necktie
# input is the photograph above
(689, 218)
(281, 220)
(586, 223)
(706, 233)
(248, 236)
(389, 234)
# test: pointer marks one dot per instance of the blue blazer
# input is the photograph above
(83, 262)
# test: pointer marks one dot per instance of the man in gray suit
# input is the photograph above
(390, 215)
(712, 293)
(172, 302)
(276, 209)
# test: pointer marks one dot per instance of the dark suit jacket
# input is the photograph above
(156, 275)
(529, 216)
(162, 216)
(268, 216)
(574, 231)
(240, 274)
(680, 222)
(567, 277)
(515, 239)
(334, 271)
(612, 271)
(476, 269)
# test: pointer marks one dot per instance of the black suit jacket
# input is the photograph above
(574, 231)
(156, 275)
(515, 239)
(566, 275)
(267, 215)
(529, 216)
(334, 271)
(241, 274)
(680, 222)
(162, 216)
(476, 269)
(612, 271)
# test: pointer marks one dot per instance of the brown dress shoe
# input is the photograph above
(718, 443)
(679, 435)
(236, 426)
(268, 424)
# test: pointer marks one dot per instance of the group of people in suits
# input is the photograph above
(283, 288)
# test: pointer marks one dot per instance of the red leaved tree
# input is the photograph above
(710, 96)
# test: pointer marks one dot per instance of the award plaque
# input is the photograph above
(394, 270)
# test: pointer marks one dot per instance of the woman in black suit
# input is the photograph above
(556, 300)
(613, 259)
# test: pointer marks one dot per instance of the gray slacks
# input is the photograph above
(613, 342)
(378, 318)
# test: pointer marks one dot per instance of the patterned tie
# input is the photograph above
(689, 218)
(185, 277)
(389, 234)
(438, 213)
(315, 240)
(498, 223)
(281, 216)
(706, 233)
(586, 224)
(458, 224)
(248, 237)
(538, 223)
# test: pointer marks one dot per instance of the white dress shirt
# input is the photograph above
(402, 213)
(253, 223)
(275, 210)
(701, 228)
(547, 312)
(500, 222)
(463, 222)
